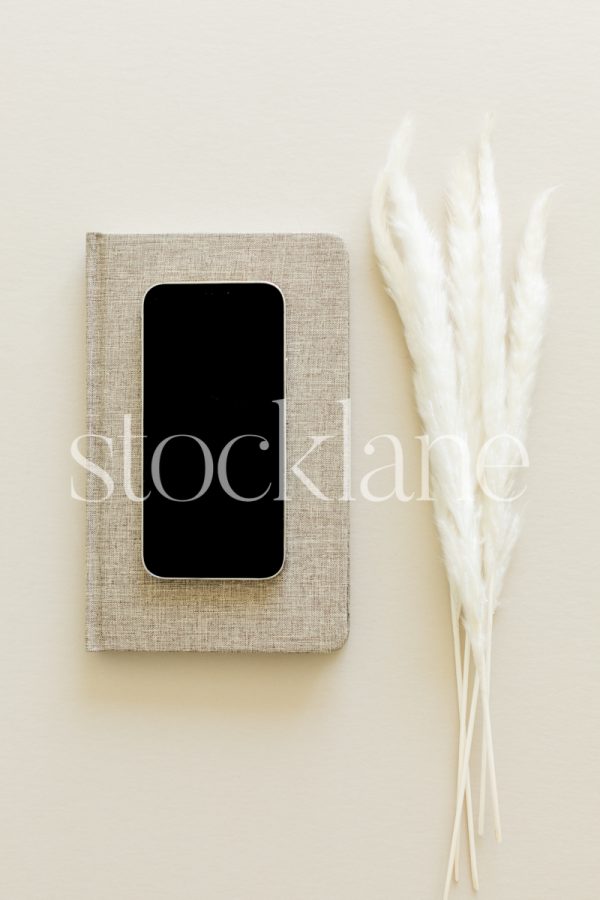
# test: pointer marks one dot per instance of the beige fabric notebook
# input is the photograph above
(305, 608)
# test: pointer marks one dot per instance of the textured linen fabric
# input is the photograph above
(305, 608)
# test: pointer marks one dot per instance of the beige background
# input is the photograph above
(132, 777)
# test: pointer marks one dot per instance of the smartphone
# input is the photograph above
(213, 408)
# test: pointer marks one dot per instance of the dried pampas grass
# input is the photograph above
(474, 358)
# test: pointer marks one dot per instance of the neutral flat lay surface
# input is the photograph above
(135, 776)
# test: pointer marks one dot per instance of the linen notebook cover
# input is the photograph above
(305, 608)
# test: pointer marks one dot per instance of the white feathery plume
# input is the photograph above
(494, 337)
(390, 263)
(421, 299)
(493, 356)
(462, 204)
(528, 315)
(527, 326)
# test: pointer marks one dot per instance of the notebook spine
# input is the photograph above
(95, 282)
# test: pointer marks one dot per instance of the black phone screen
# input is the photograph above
(214, 430)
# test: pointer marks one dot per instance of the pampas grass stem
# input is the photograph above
(484, 742)
(474, 367)
(462, 783)
(462, 685)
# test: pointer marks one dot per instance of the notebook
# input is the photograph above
(305, 608)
